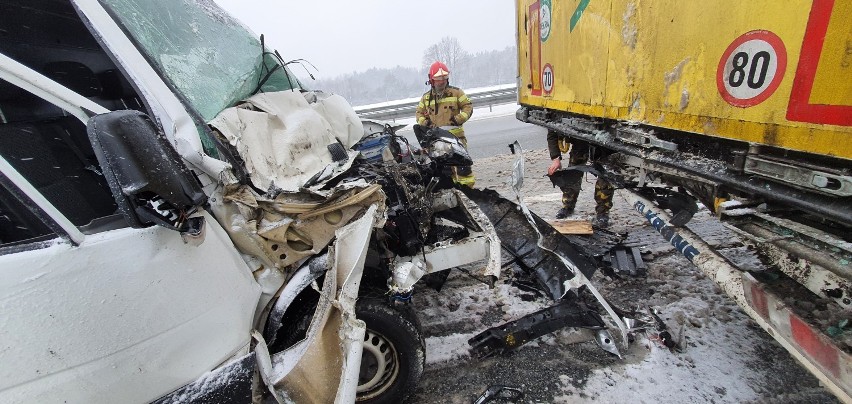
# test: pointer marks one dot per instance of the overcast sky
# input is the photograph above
(345, 36)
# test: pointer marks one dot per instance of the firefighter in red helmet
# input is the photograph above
(445, 105)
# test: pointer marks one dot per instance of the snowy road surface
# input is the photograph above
(727, 358)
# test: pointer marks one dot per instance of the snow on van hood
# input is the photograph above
(283, 137)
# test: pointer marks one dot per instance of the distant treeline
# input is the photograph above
(376, 85)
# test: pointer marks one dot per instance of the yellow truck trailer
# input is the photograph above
(767, 72)
(747, 106)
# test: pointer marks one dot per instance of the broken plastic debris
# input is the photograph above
(405, 275)
(838, 329)
(500, 392)
(605, 341)
(665, 337)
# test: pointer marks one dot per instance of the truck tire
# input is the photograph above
(394, 352)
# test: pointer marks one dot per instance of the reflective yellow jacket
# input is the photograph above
(452, 103)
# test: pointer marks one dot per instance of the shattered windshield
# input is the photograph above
(207, 55)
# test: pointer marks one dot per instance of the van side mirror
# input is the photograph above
(148, 179)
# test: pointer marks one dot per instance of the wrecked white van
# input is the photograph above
(181, 221)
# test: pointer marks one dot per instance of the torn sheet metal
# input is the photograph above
(493, 265)
(301, 280)
(509, 336)
(283, 138)
(519, 239)
(350, 252)
(442, 256)
(580, 278)
(556, 264)
(330, 354)
(449, 253)
(283, 230)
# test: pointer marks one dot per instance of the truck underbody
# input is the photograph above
(769, 197)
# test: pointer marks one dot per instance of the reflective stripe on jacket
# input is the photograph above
(452, 103)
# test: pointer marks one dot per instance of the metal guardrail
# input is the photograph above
(405, 108)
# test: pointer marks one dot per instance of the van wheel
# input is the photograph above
(394, 352)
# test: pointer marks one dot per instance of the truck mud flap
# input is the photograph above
(518, 239)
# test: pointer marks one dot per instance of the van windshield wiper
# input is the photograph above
(280, 65)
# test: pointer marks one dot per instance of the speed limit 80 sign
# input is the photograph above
(751, 68)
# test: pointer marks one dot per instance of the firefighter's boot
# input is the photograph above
(463, 175)
(603, 202)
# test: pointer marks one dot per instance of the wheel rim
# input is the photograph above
(379, 366)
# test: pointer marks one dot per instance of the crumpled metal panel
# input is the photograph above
(283, 138)
(493, 263)
(519, 238)
(323, 368)
(292, 226)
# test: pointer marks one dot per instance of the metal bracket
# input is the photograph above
(643, 139)
(820, 181)
(509, 336)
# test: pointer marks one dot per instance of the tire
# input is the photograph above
(394, 352)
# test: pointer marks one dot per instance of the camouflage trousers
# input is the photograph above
(603, 195)
(603, 189)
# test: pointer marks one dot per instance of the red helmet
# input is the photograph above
(438, 70)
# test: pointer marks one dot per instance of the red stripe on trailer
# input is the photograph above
(758, 301)
(814, 344)
(809, 343)
(800, 108)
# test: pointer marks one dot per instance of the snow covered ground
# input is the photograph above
(726, 357)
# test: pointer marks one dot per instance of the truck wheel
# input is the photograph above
(394, 352)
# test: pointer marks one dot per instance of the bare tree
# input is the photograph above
(485, 68)
(448, 50)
